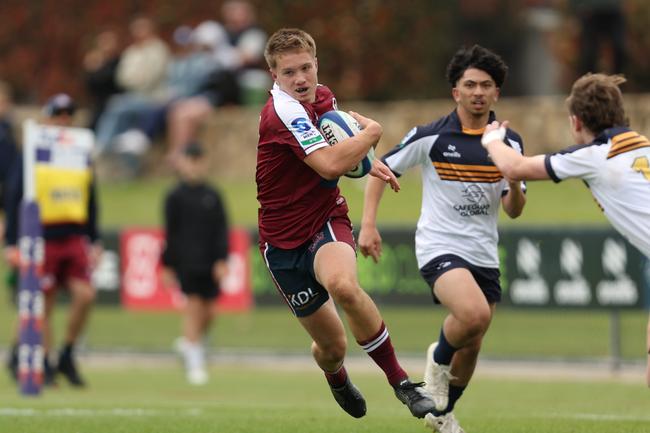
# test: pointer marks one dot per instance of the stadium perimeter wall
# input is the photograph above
(542, 122)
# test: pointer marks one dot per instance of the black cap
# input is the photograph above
(59, 104)
(193, 150)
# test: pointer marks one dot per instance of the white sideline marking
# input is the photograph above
(73, 412)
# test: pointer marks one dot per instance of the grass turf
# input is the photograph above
(254, 399)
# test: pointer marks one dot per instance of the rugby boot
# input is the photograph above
(350, 399)
(436, 378)
(12, 362)
(446, 423)
(415, 397)
(68, 368)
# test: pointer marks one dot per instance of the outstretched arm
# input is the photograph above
(369, 238)
(513, 165)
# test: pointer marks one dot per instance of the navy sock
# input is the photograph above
(444, 351)
(454, 394)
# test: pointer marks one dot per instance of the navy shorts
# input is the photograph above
(486, 278)
(293, 270)
(200, 284)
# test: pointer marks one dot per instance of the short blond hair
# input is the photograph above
(597, 101)
(285, 40)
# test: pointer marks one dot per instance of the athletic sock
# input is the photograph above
(380, 349)
(444, 351)
(337, 378)
(454, 394)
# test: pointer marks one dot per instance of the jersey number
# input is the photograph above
(641, 165)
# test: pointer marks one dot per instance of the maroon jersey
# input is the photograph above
(294, 200)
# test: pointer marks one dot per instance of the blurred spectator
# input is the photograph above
(198, 79)
(240, 20)
(7, 141)
(100, 65)
(195, 255)
(602, 24)
(72, 246)
(214, 85)
(141, 72)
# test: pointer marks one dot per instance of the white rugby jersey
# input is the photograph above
(616, 168)
(461, 192)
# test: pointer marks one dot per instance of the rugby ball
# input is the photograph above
(336, 126)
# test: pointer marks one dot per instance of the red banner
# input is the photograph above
(142, 283)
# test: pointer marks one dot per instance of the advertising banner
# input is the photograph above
(141, 269)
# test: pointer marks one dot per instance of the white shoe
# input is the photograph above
(197, 376)
(194, 356)
(436, 379)
(446, 423)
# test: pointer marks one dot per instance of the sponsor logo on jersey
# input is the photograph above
(452, 152)
(475, 196)
(408, 136)
(305, 132)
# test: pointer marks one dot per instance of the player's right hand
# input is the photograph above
(367, 124)
(370, 242)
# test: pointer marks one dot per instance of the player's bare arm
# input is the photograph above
(369, 238)
(332, 162)
(513, 165)
(514, 201)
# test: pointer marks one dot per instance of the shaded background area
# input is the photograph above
(368, 49)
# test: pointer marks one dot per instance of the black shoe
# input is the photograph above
(49, 373)
(68, 368)
(350, 399)
(12, 362)
(414, 397)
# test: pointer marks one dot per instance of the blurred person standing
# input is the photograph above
(100, 66)
(72, 246)
(195, 255)
(247, 37)
(305, 234)
(612, 159)
(8, 149)
(602, 27)
(456, 238)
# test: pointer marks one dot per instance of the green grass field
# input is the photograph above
(131, 203)
(155, 399)
(264, 398)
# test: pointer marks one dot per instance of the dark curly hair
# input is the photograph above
(479, 58)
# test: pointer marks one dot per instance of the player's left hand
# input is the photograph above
(95, 254)
(370, 242)
(220, 271)
(381, 171)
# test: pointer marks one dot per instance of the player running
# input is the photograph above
(612, 159)
(305, 234)
(456, 237)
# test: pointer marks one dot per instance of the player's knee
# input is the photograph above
(331, 352)
(478, 322)
(86, 294)
(346, 292)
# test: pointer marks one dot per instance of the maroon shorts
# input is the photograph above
(65, 259)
